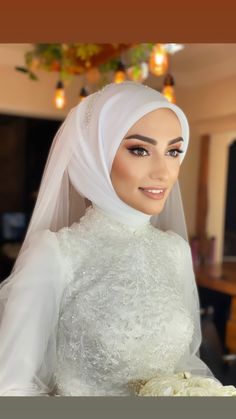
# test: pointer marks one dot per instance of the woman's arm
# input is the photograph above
(30, 300)
(191, 360)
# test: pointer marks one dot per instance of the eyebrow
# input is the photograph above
(151, 140)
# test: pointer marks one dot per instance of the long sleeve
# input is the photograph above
(191, 360)
(30, 301)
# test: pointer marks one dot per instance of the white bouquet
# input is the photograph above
(180, 384)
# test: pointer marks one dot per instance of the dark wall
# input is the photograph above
(12, 163)
(24, 145)
(230, 209)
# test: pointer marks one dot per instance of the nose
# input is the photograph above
(159, 169)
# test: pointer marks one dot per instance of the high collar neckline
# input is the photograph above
(132, 220)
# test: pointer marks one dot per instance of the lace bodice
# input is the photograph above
(122, 314)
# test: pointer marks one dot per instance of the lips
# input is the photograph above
(153, 192)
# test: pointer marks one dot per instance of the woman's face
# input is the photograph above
(147, 162)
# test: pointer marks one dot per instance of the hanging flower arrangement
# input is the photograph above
(70, 59)
(95, 61)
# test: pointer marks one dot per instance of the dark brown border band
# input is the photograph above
(117, 20)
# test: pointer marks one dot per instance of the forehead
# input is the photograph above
(159, 121)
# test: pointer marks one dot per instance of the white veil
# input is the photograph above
(78, 166)
(81, 157)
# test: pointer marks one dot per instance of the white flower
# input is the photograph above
(184, 384)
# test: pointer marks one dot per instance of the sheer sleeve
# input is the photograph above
(29, 302)
(191, 360)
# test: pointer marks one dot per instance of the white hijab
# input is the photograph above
(78, 166)
(81, 156)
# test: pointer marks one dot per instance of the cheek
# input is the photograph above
(174, 170)
(123, 170)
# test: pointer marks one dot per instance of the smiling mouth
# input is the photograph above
(152, 193)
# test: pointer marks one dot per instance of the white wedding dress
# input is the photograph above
(116, 305)
(122, 314)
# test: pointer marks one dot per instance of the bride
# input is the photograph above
(106, 295)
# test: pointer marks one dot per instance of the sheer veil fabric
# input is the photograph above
(78, 166)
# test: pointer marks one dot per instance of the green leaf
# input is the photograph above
(65, 76)
(22, 69)
(32, 76)
(29, 55)
(86, 51)
(110, 65)
(139, 53)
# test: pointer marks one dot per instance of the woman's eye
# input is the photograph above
(138, 151)
(175, 152)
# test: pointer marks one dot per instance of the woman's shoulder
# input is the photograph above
(50, 249)
(73, 246)
(40, 260)
(68, 236)
(178, 241)
(65, 232)
(43, 242)
(176, 237)
(46, 242)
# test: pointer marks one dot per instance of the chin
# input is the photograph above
(151, 209)
(152, 212)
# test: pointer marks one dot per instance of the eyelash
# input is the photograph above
(132, 151)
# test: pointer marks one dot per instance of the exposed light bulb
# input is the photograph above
(120, 74)
(59, 97)
(83, 93)
(168, 88)
(158, 63)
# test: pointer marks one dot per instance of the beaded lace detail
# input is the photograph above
(122, 314)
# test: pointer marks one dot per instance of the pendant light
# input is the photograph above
(158, 62)
(168, 88)
(83, 93)
(59, 97)
(120, 73)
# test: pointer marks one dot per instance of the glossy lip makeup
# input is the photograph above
(153, 193)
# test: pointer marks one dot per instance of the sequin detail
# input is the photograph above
(122, 316)
(91, 100)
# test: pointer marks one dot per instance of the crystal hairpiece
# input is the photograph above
(89, 109)
(92, 99)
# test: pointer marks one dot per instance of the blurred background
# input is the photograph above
(40, 83)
